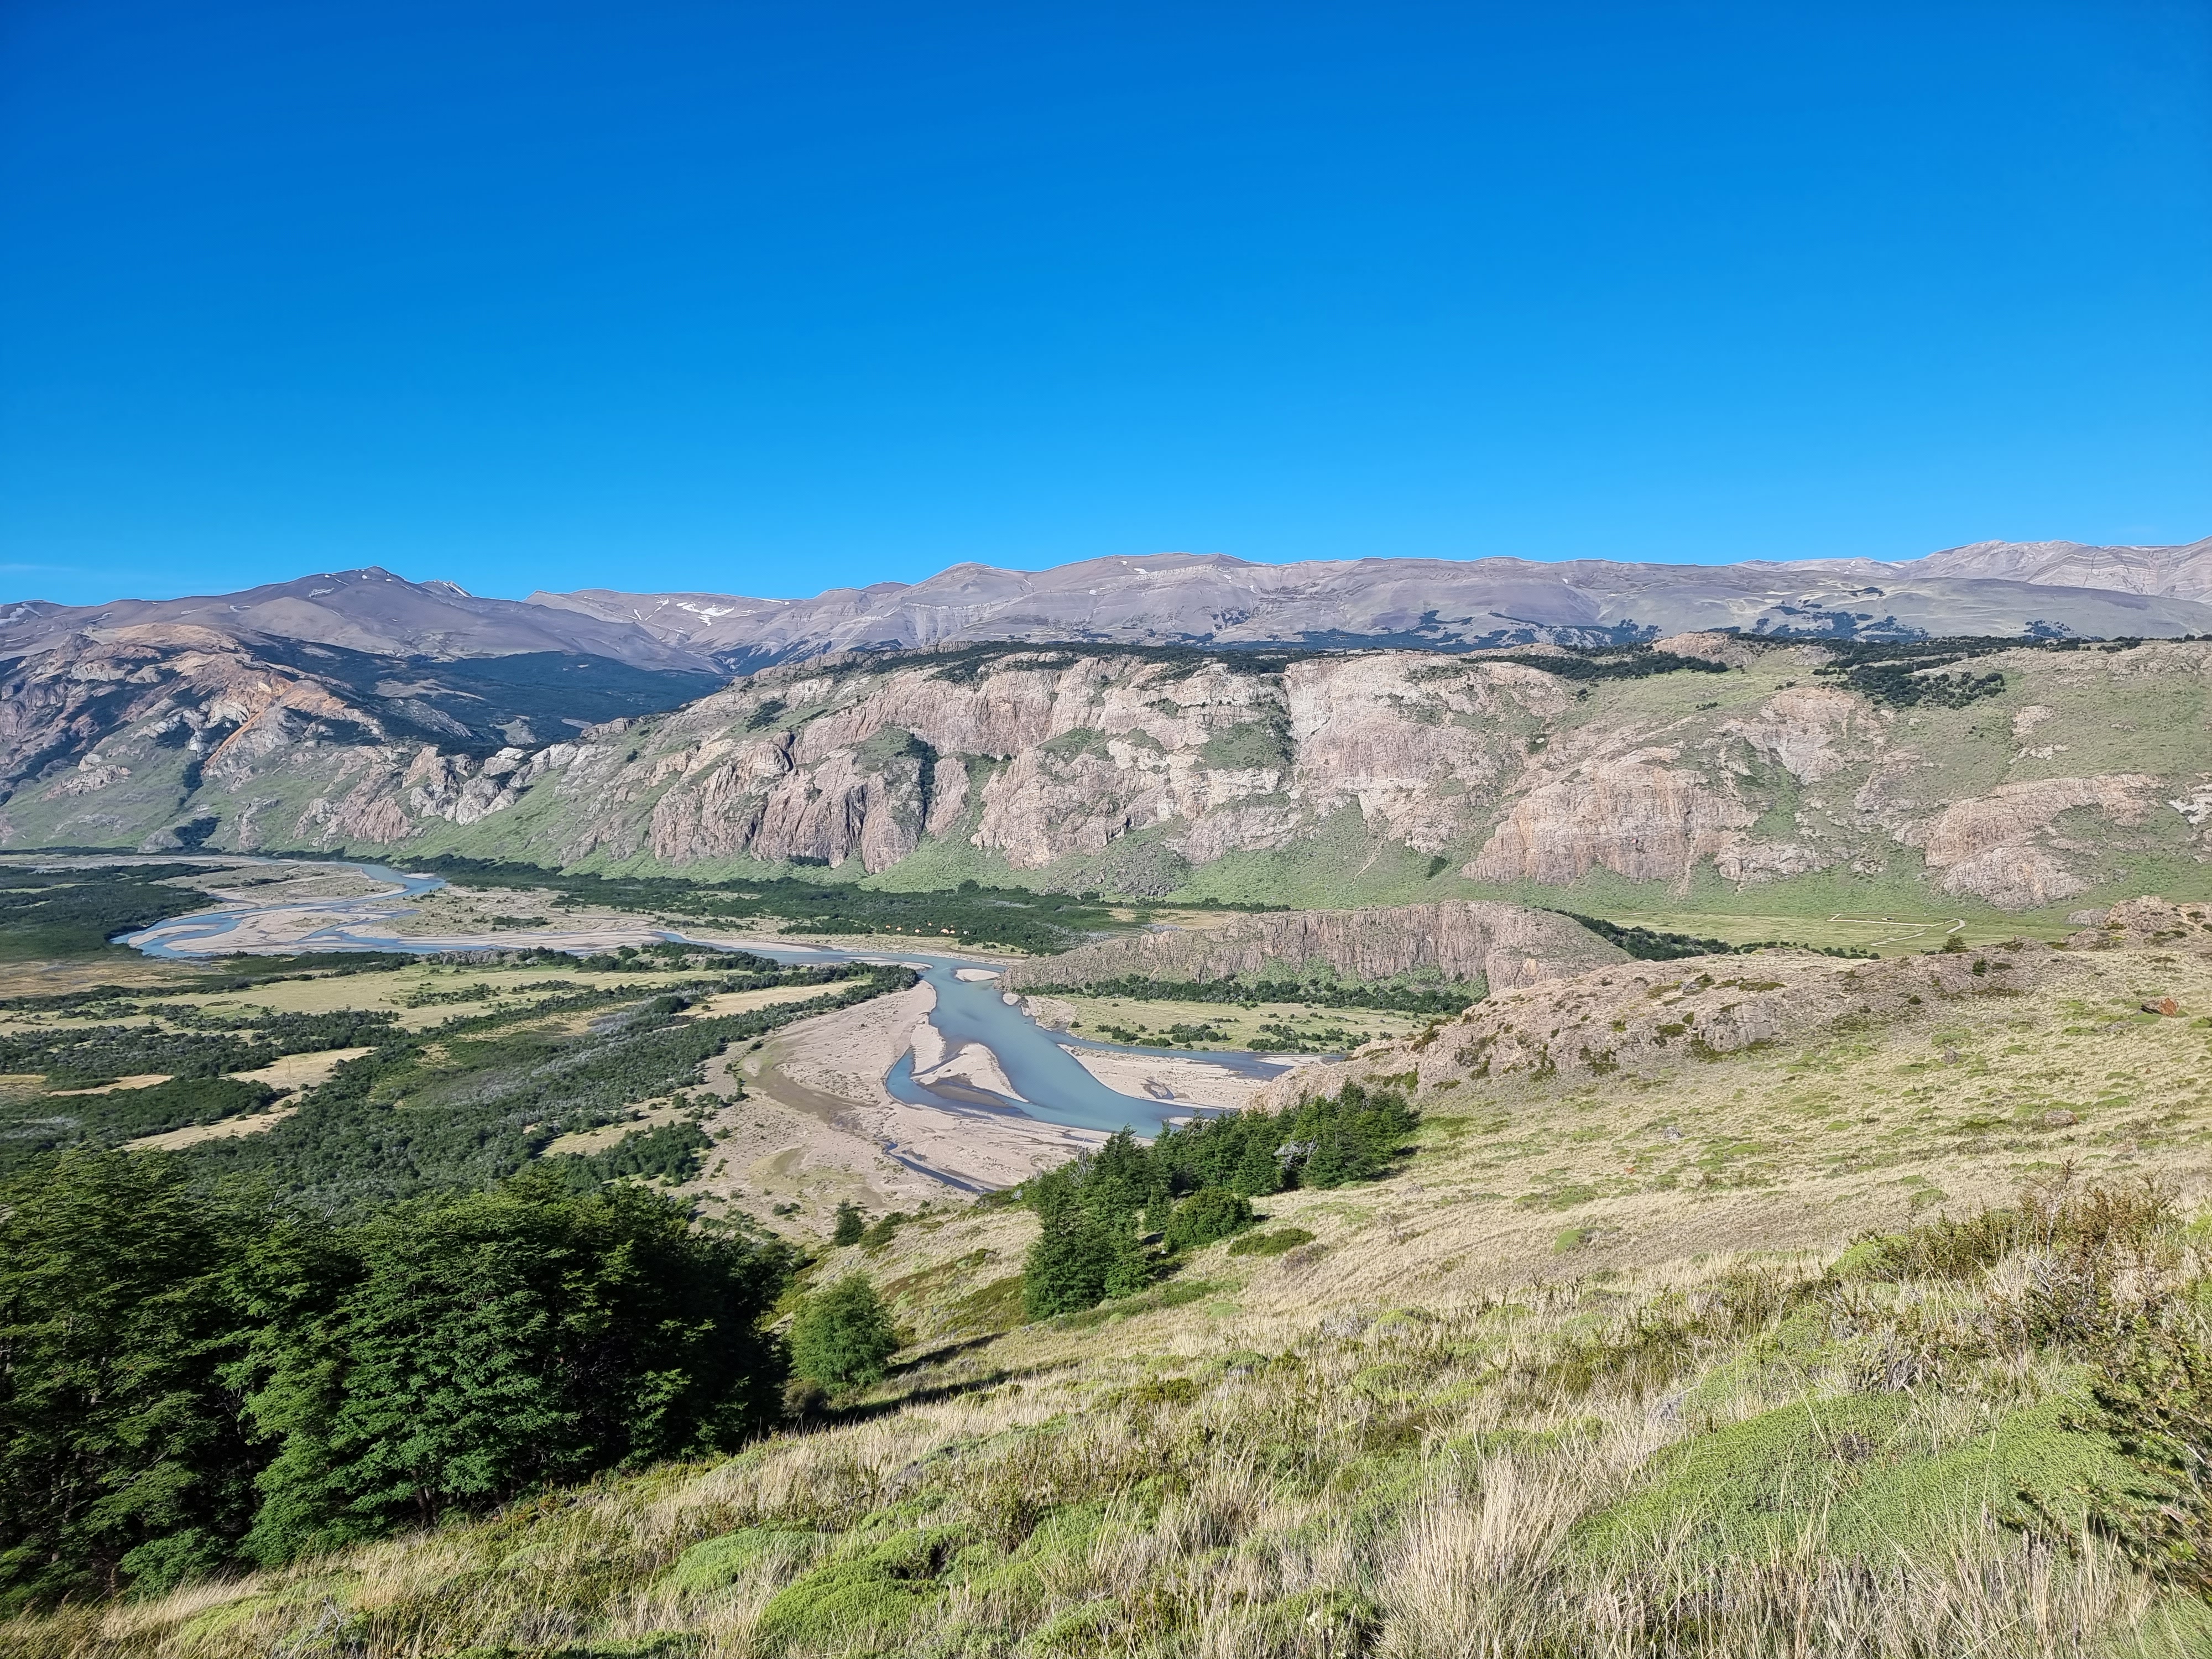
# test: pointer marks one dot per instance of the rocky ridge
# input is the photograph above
(1145, 773)
(1642, 1018)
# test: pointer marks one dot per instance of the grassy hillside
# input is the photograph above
(1889, 1344)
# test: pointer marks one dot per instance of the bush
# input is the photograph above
(843, 1336)
(2152, 1398)
(1213, 1214)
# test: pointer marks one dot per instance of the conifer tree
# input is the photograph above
(1066, 1269)
(1258, 1171)
(1129, 1264)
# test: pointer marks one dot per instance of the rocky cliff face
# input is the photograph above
(1146, 772)
(1506, 945)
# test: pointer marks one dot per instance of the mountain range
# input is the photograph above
(1380, 732)
(2056, 589)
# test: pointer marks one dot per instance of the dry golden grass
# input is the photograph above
(1398, 1439)
(1249, 1513)
(229, 1128)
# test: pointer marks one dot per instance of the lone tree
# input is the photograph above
(843, 1334)
(851, 1224)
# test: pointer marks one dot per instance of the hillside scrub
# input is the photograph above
(1767, 1459)
(189, 1383)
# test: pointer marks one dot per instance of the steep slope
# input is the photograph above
(2020, 778)
(162, 733)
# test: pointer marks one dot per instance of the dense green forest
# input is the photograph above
(192, 1379)
(967, 914)
(52, 914)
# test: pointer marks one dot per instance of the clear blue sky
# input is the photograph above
(770, 298)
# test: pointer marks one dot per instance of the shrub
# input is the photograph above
(851, 1224)
(2082, 1223)
(843, 1336)
(2153, 1398)
(1207, 1215)
(1279, 1242)
(863, 1600)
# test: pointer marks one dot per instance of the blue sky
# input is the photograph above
(771, 297)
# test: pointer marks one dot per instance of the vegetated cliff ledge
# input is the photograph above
(1506, 945)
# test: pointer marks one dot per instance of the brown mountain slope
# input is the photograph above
(1992, 588)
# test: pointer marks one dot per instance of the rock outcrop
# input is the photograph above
(1986, 846)
(1505, 945)
(1645, 1017)
(2147, 922)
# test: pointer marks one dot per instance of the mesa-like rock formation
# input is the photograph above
(1505, 946)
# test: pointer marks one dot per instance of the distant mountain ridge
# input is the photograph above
(1990, 588)
(2004, 589)
(369, 611)
(2183, 573)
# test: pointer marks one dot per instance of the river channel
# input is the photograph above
(1049, 1084)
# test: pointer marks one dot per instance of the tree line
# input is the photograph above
(1442, 1002)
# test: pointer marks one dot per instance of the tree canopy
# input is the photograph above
(188, 1381)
